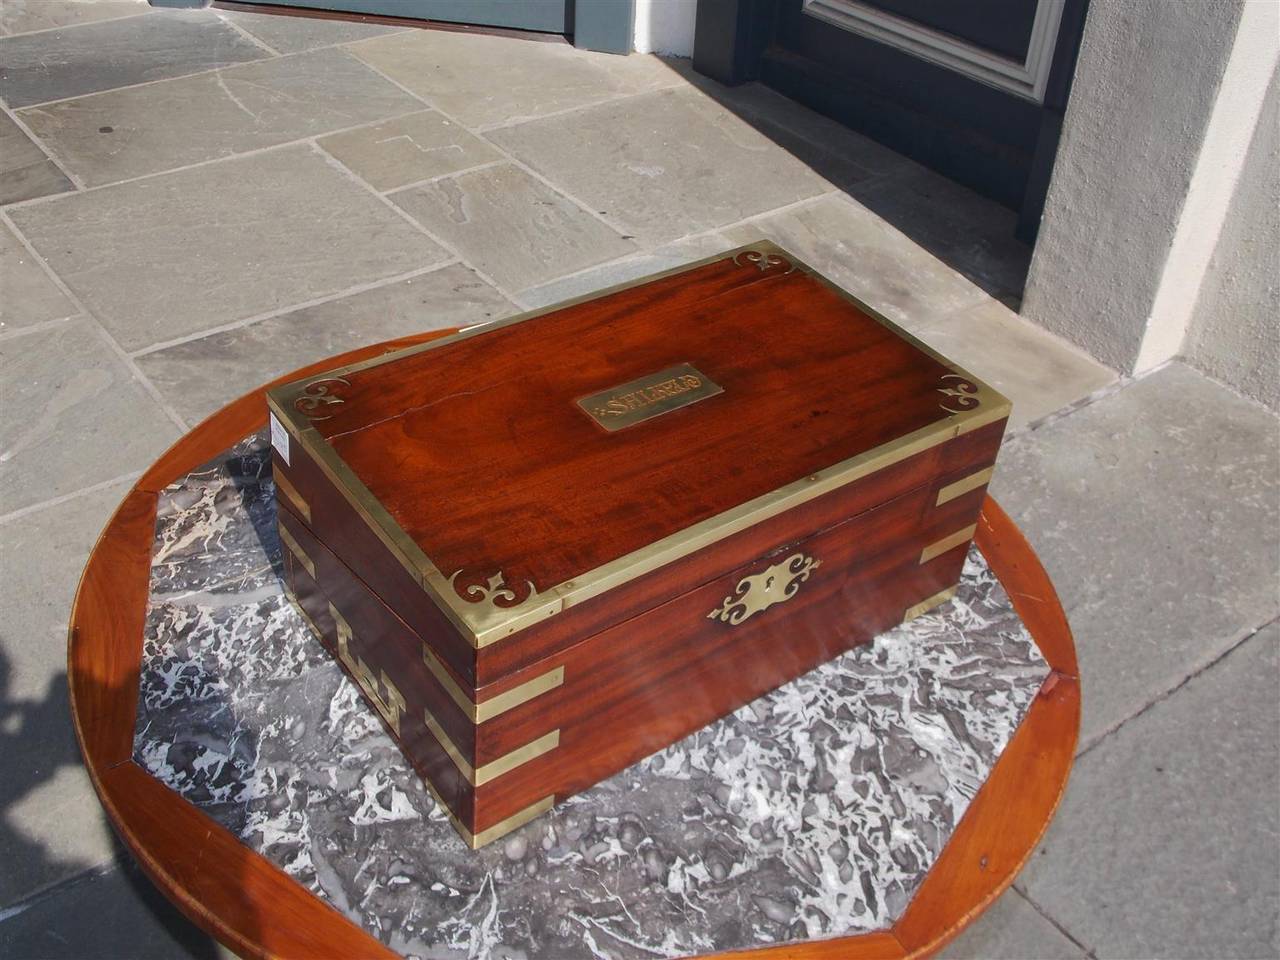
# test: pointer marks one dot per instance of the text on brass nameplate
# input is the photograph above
(649, 396)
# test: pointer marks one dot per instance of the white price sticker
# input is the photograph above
(280, 439)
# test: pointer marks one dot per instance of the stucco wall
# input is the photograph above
(1235, 329)
(1144, 89)
(665, 26)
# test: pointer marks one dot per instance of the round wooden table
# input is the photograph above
(257, 910)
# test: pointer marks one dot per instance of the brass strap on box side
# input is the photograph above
(306, 617)
(296, 549)
(928, 603)
(948, 543)
(968, 405)
(292, 495)
(963, 486)
(477, 840)
(488, 709)
(478, 776)
(513, 822)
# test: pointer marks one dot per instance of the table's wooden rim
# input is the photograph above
(257, 910)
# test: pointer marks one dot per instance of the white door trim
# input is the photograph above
(1024, 79)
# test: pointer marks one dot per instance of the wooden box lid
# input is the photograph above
(528, 464)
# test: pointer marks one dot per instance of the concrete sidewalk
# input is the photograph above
(196, 201)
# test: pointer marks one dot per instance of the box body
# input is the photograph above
(551, 546)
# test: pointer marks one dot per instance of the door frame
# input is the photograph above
(1029, 79)
(733, 44)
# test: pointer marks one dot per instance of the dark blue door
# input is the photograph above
(975, 89)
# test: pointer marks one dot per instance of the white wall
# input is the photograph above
(1237, 113)
(1235, 325)
(665, 26)
(1159, 238)
(1144, 90)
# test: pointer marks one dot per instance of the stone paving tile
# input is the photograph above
(622, 271)
(869, 258)
(1156, 512)
(1012, 930)
(409, 149)
(294, 34)
(972, 234)
(29, 296)
(73, 415)
(42, 553)
(50, 819)
(53, 824)
(168, 256)
(128, 133)
(1167, 842)
(840, 154)
(1039, 372)
(664, 164)
(114, 915)
(200, 376)
(484, 80)
(25, 171)
(99, 56)
(511, 226)
(23, 16)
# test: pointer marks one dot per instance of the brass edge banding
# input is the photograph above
(296, 549)
(983, 417)
(948, 543)
(488, 709)
(361, 499)
(928, 603)
(484, 625)
(292, 495)
(478, 776)
(484, 628)
(286, 392)
(961, 487)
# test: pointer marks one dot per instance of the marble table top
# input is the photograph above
(813, 812)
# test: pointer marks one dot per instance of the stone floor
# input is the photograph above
(191, 202)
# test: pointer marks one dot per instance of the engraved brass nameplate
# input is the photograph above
(761, 591)
(648, 397)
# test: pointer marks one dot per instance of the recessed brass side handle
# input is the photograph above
(391, 705)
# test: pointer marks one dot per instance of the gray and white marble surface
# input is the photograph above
(812, 812)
